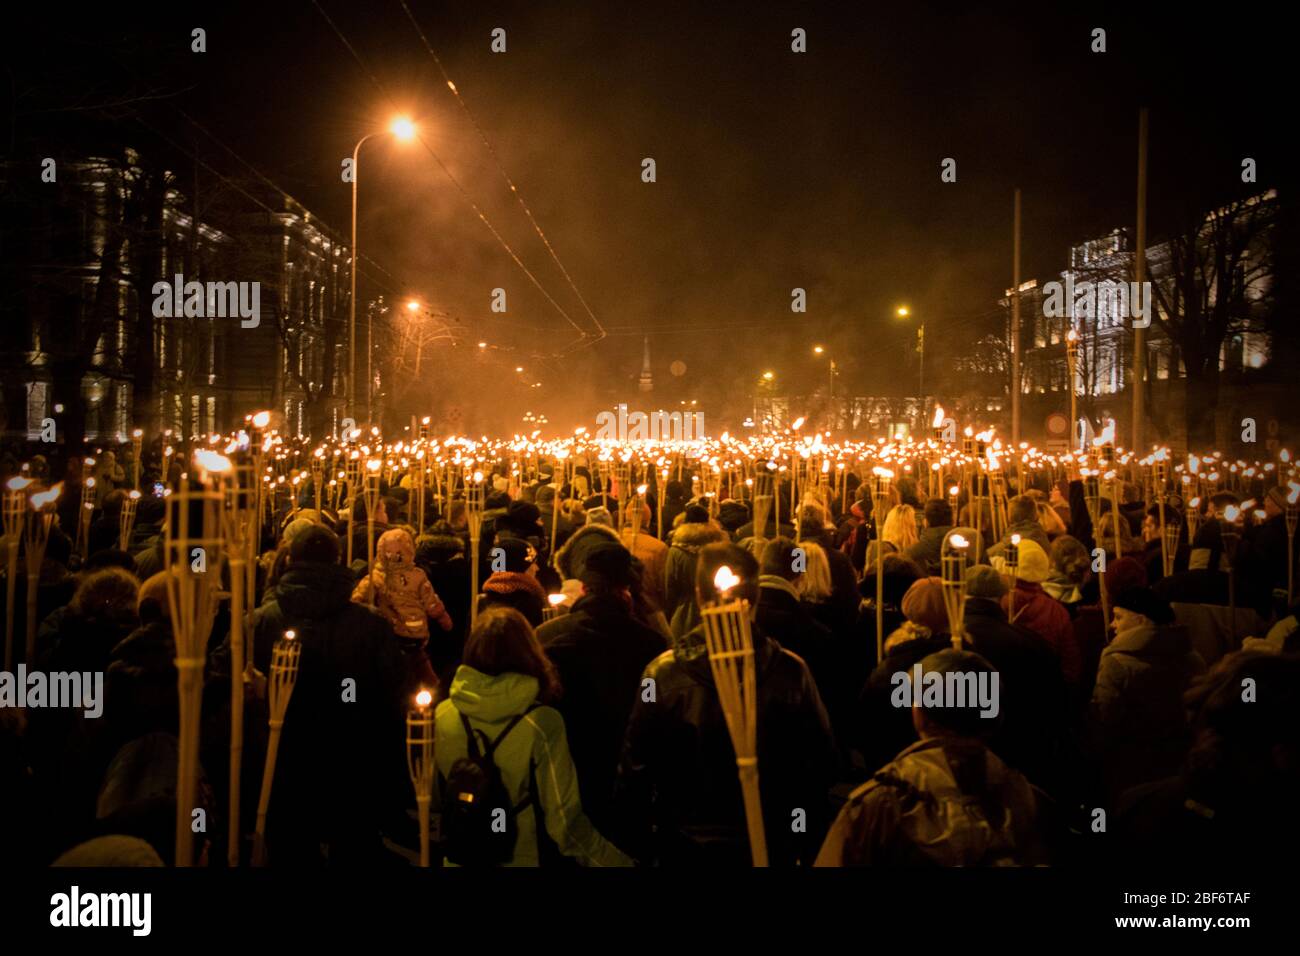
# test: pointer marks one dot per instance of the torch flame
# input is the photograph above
(938, 417)
(725, 580)
(43, 498)
(423, 699)
(798, 423)
(211, 461)
(555, 599)
(18, 484)
(261, 419)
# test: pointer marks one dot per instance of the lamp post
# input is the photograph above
(904, 312)
(1071, 360)
(404, 130)
(830, 387)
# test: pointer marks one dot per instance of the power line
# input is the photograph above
(504, 175)
(582, 334)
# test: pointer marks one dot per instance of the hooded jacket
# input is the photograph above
(946, 801)
(678, 793)
(928, 550)
(679, 566)
(401, 591)
(600, 651)
(342, 766)
(572, 558)
(1035, 609)
(653, 555)
(536, 750)
(1137, 722)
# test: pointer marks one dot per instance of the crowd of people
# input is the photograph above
(1139, 713)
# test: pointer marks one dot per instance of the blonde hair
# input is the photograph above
(814, 585)
(900, 527)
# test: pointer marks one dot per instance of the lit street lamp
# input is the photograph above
(404, 130)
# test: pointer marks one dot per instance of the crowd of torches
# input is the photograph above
(232, 487)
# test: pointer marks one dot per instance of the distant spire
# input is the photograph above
(647, 382)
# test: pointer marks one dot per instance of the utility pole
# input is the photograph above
(1138, 381)
(1015, 330)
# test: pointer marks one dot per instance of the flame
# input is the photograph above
(555, 599)
(211, 461)
(1295, 494)
(725, 580)
(43, 498)
(938, 417)
(261, 419)
(1015, 539)
(374, 464)
(958, 541)
(1231, 512)
(423, 699)
(798, 423)
(1106, 436)
(18, 484)
(641, 489)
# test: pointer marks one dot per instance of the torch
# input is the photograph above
(239, 526)
(1231, 537)
(38, 536)
(1291, 512)
(1160, 478)
(15, 511)
(137, 442)
(474, 521)
(1071, 358)
(285, 657)
(352, 475)
(730, 646)
(952, 561)
(317, 478)
(880, 481)
(420, 764)
(1013, 565)
(1092, 500)
(126, 520)
(371, 491)
(192, 542)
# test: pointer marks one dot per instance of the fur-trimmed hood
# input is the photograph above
(570, 558)
(692, 536)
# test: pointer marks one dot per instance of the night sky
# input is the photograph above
(775, 169)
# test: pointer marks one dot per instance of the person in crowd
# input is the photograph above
(900, 527)
(1028, 605)
(1136, 720)
(678, 794)
(1022, 520)
(516, 584)
(1071, 568)
(600, 650)
(938, 522)
(784, 618)
(638, 537)
(945, 800)
(502, 705)
(688, 539)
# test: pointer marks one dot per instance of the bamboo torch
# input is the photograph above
(420, 763)
(371, 491)
(137, 443)
(730, 647)
(952, 561)
(38, 536)
(285, 657)
(126, 520)
(15, 512)
(880, 481)
(1013, 565)
(1291, 513)
(191, 554)
(239, 528)
(474, 521)
(84, 513)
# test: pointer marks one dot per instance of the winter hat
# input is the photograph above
(496, 500)
(600, 515)
(695, 514)
(1124, 574)
(296, 527)
(396, 545)
(518, 554)
(1277, 495)
(608, 565)
(923, 604)
(514, 582)
(1034, 565)
(501, 484)
(983, 582)
(115, 850)
(1146, 602)
(732, 515)
(545, 495)
(521, 517)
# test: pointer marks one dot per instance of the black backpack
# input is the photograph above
(472, 831)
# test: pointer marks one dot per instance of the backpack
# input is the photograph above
(474, 793)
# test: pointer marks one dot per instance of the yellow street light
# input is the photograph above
(413, 305)
(903, 312)
(403, 128)
(768, 376)
(818, 350)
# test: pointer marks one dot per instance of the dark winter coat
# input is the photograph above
(1137, 719)
(600, 652)
(678, 792)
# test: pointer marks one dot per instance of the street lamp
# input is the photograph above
(830, 393)
(1071, 358)
(403, 129)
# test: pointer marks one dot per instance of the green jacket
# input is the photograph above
(539, 739)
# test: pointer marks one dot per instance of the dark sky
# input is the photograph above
(775, 169)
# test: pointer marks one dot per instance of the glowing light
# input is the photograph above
(211, 461)
(958, 541)
(413, 306)
(423, 699)
(261, 419)
(938, 417)
(555, 599)
(725, 580)
(18, 484)
(403, 129)
(43, 498)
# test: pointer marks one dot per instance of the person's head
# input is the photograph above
(984, 582)
(503, 642)
(109, 596)
(923, 604)
(1034, 566)
(695, 514)
(1106, 532)
(900, 574)
(1070, 560)
(109, 558)
(395, 550)
(900, 527)
(969, 703)
(814, 585)
(1275, 502)
(154, 601)
(1123, 574)
(742, 565)
(1022, 509)
(779, 559)
(607, 569)
(600, 515)
(315, 544)
(937, 513)
(1140, 607)
(1049, 519)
